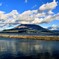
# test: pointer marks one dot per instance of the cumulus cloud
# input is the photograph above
(50, 18)
(37, 21)
(43, 15)
(48, 6)
(54, 27)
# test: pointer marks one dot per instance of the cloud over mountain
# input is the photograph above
(54, 27)
(42, 15)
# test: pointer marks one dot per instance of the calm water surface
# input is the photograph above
(24, 48)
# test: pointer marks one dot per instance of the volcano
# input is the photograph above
(28, 28)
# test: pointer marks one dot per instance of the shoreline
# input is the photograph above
(30, 37)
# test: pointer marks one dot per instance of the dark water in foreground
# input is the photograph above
(28, 49)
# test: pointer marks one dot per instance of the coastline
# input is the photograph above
(30, 37)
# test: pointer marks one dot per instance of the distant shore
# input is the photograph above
(30, 37)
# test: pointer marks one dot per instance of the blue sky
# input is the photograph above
(24, 5)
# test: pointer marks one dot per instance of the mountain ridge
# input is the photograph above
(28, 27)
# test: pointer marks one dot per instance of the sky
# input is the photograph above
(41, 12)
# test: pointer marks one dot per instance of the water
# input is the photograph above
(28, 48)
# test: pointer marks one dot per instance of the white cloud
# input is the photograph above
(48, 6)
(50, 18)
(37, 21)
(50, 12)
(54, 27)
(44, 15)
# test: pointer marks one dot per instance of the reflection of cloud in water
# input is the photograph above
(7, 46)
(38, 47)
(26, 47)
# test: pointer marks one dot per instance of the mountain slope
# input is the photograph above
(31, 27)
(27, 28)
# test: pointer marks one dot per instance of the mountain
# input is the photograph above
(31, 26)
(28, 28)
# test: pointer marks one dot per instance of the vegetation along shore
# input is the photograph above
(30, 37)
